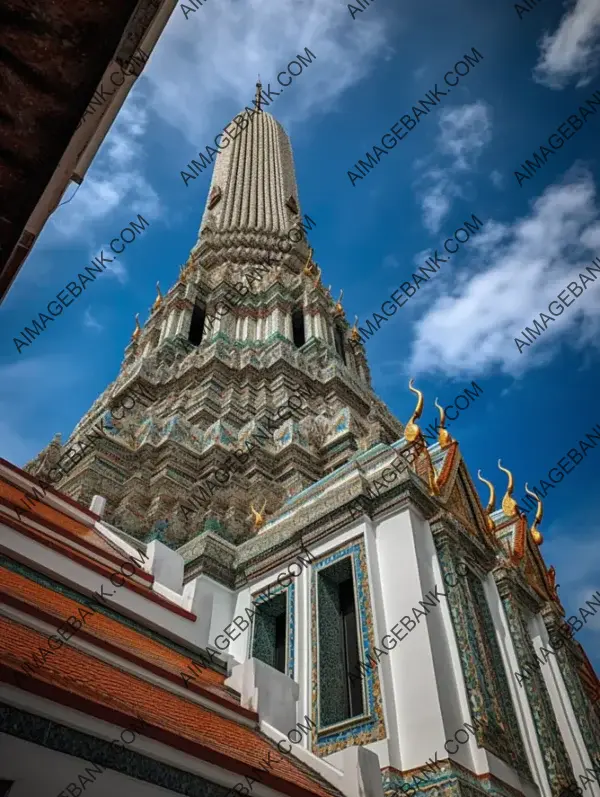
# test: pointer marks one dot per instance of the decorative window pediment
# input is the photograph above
(214, 196)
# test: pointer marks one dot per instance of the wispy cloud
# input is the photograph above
(189, 77)
(471, 327)
(115, 189)
(497, 179)
(464, 133)
(90, 322)
(573, 50)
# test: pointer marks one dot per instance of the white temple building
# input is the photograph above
(242, 560)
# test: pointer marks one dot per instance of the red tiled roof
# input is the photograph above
(56, 608)
(118, 697)
(98, 555)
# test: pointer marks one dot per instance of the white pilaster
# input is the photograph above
(183, 325)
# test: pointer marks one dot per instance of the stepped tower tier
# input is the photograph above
(244, 384)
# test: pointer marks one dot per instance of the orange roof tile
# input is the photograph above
(34, 507)
(57, 608)
(119, 697)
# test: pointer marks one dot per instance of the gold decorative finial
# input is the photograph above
(309, 266)
(185, 271)
(536, 534)
(411, 430)
(317, 280)
(257, 101)
(159, 298)
(138, 330)
(354, 335)
(509, 505)
(444, 437)
(491, 507)
(259, 519)
(552, 585)
(338, 305)
(328, 292)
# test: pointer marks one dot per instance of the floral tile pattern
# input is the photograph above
(369, 727)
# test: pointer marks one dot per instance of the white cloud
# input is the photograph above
(572, 50)
(464, 132)
(577, 561)
(471, 328)
(390, 261)
(202, 65)
(115, 186)
(496, 178)
(90, 322)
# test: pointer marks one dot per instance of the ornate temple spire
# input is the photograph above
(245, 331)
(253, 187)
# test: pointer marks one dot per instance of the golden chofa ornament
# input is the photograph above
(354, 335)
(491, 507)
(317, 280)
(411, 430)
(138, 330)
(159, 299)
(186, 271)
(258, 517)
(509, 505)
(444, 438)
(339, 310)
(309, 266)
(536, 534)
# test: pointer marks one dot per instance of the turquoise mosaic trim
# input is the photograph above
(246, 344)
(49, 583)
(290, 591)
(52, 736)
(556, 760)
(490, 701)
(371, 726)
(449, 780)
(587, 717)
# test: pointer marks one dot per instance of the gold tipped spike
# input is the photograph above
(444, 437)
(536, 534)
(159, 299)
(186, 271)
(354, 335)
(431, 477)
(411, 430)
(138, 330)
(491, 507)
(259, 518)
(309, 266)
(338, 305)
(509, 505)
(317, 280)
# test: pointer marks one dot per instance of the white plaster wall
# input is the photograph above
(421, 729)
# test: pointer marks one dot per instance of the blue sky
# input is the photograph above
(460, 159)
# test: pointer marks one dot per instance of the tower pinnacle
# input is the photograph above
(258, 97)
